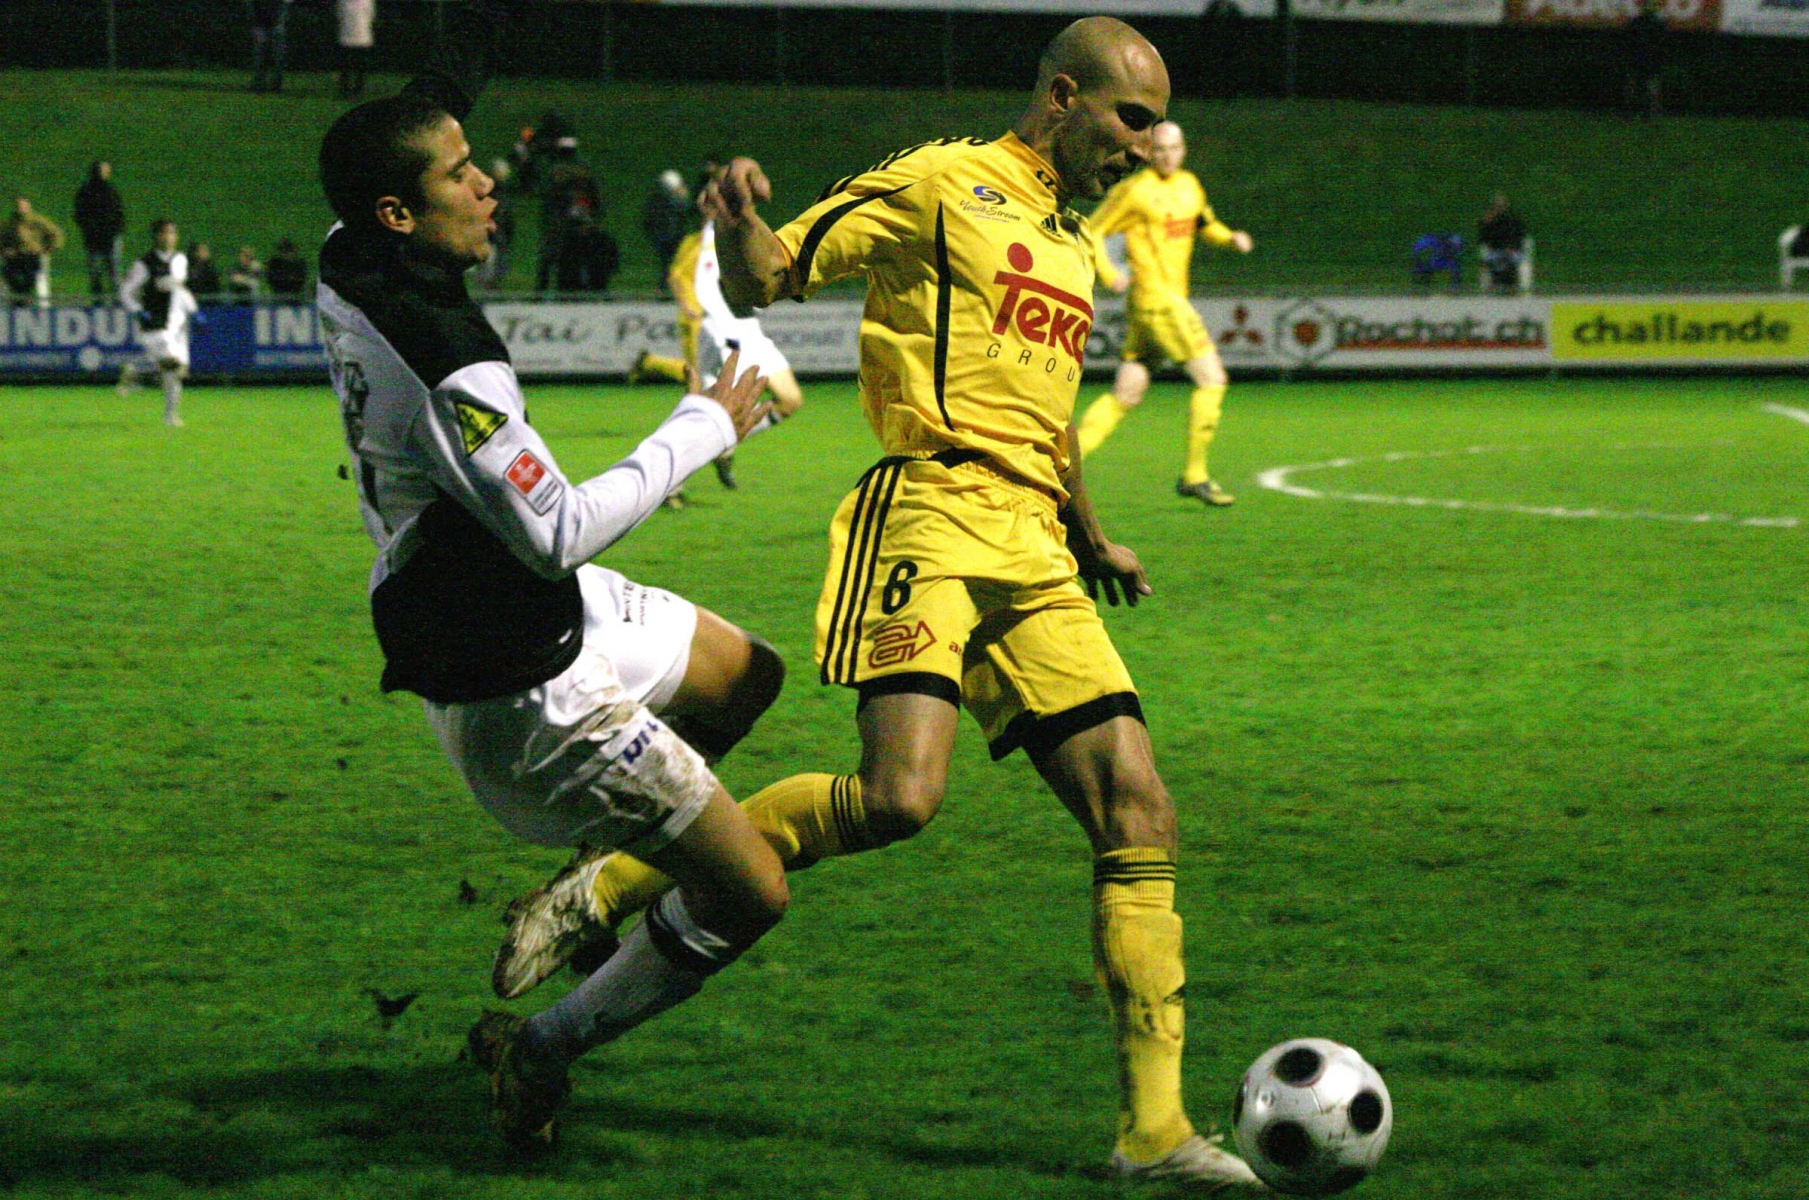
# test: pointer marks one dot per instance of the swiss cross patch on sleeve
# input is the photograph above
(530, 477)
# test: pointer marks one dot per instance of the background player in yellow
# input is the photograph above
(956, 563)
(1159, 210)
(680, 278)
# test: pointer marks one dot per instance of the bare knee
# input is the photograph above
(1138, 812)
(1208, 371)
(899, 807)
(1131, 384)
(733, 678)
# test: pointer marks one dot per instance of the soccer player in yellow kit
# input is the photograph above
(680, 278)
(1159, 210)
(956, 564)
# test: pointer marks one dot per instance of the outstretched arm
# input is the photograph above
(1103, 562)
(756, 270)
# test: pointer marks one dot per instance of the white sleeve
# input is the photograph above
(132, 285)
(482, 451)
(178, 272)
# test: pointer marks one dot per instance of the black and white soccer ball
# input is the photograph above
(1312, 1118)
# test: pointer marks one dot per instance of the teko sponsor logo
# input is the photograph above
(1042, 313)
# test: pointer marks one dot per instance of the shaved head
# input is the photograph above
(1101, 88)
(1168, 148)
(1095, 50)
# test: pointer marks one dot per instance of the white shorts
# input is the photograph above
(161, 345)
(718, 339)
(645, 631)
(581, 757)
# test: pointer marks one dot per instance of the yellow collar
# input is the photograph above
(1035, 163)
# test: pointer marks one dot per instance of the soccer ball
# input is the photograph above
(1311, 1117)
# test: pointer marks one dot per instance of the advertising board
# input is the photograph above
(1413, 12)
(1299, 333)
(1695, 15)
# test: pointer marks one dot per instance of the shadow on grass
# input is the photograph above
(347, 1119)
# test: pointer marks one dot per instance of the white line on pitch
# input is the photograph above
(1276, 479)
(1784, 410)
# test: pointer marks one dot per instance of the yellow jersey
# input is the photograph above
(1159, 218)
(979, 299)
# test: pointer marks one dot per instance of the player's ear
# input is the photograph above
(394, 215)
(1063, 92)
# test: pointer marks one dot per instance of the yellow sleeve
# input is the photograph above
(862, 219)
(1115, 212)
(1103, 266)
(682, 277)
(1213, 231)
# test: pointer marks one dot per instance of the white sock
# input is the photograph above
(772, 418)
(172, 396)
(662, 962)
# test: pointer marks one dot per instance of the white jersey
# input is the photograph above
(154, 290)
(478, 531)
(722, 331)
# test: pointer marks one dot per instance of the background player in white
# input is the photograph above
(537, 671)
(723, 333)
(153, 292)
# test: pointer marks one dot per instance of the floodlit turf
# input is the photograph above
(1511, 803)
(1334, 192)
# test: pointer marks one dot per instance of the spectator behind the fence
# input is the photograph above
(588, 258)
(1644, 35)
(101, 216)
(27, 241)
(664, 218)
(356, 39)
(269, 43)
(287, 273)
(1501, 235)
(569, 200)
(1437, 254)
(203, 272)
(246, 283)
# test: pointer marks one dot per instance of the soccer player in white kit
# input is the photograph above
(541, 675)
(722, 333)
(153, 292)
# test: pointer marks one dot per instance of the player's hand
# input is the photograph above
(1121, 285)
(730, 197)
(739, 397)
(1243, 241)
(1111, 568)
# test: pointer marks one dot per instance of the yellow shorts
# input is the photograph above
(949, 578)
(1171, 331)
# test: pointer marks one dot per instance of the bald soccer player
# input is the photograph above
(957, 563)
(1160, 211)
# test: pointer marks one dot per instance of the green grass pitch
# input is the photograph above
(1512, 803)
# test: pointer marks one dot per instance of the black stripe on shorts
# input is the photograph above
(1039, 736)
(859, 560)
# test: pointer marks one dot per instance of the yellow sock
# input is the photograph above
(1202, 423)
(1137, 953)
(804, 818)
(1101, 418)
(665, 368)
